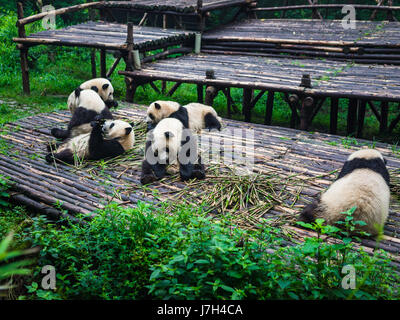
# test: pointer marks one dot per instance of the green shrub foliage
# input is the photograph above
(144, 253)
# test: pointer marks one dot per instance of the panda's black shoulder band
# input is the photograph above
(377, 165)
(182, 115)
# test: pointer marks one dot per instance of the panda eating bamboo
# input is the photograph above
(108, 138)
(90, 105)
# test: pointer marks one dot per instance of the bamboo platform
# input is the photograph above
(359, 83)
(180, 6)
(67, 190)
(369, 42)
(106, 35)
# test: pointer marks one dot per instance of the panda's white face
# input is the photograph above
(115, 129)
(104, 89)
(159, 110)
(107, 94)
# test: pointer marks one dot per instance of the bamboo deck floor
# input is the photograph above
(329, 78)
(107, 35)
(181, 6)
(369, 42)
(312, 157)
(319, 32)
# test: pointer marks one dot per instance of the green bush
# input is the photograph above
(144, 253)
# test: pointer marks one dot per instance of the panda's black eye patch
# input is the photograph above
(112, 125)
(151, 116)
(156, 153)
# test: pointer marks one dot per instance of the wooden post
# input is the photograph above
(129, 41)
(23, 52)
(334, 115)
(93, 63)
(197, 43)
(384, 117)
(247, 97)
(269, 108)
(228, 103)
(103, 67)
(361, 116)
(211, 91)
(200, 96)
(306, 112)
(293, 101)
(352, 116)
(130, 86)
(390, 12)
(165, 21)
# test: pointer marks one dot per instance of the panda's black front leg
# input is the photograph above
(186, 171)
(199, 171)
(151, 173)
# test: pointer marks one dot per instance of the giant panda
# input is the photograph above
(195, 116)
(102, 86)
(108, 138)
(90, 107)
(169, 143)
(363, 183)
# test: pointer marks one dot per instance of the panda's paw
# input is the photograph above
(199, 171)
(51, 146)
(49, 158)
(147, 178)
(100, 119)
(94, 124)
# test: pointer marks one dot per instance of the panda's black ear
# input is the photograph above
(94, 88)
(128, 130)
(157, 106)
(105, 86)
(132, 124)
(78, 92)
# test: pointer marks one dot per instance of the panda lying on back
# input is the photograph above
(109, 138)
(195, 116)
(362, 183)
(102, 86)
(90, 106)
(168, 144)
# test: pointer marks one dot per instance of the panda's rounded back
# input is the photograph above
(90, 100)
